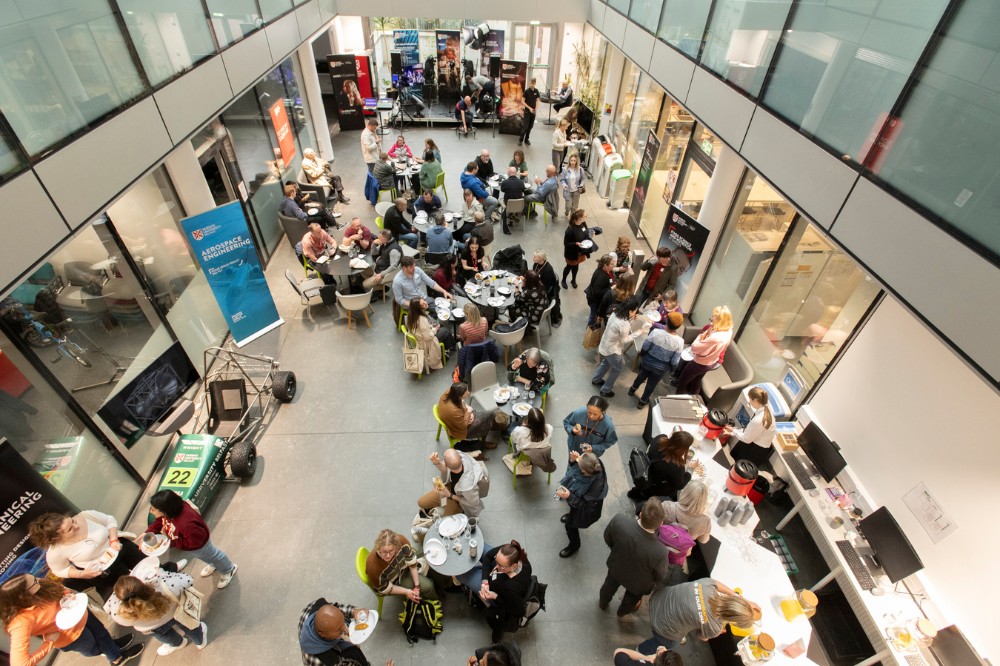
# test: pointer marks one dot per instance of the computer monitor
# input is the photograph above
(821, 451)
(791, 384)
(892, 549)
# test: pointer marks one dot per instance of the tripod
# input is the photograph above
(118, 369)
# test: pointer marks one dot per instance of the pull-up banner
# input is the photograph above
(222, 242)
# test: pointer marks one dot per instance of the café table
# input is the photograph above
(457, 564)
(548, 99)
(508, 407)
(406, 168)
(481, 296)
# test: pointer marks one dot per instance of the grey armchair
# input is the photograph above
(721, 387)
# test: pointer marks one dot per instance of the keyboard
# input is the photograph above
(798, 468)
(915, 660)
(858, 568)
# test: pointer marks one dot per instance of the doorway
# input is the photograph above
(535, 44)
(217, 175)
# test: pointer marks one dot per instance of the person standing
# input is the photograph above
(617, 334)
(530, 111)
(707, 349)
(589, 429)
(145, 607)
(573, 251)
(660, 353)
(547, 275)
(571, 179)
(753, 443)
(584, 487)
(660, 276)
(559, 143)
(371, 143)
(637, 561)
(704, 605)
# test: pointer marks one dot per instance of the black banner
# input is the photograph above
(350, 105)
(686, 239)
(24, 496)
(512, 76)
(641, 190)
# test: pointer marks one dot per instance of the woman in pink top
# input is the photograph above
(707, 349)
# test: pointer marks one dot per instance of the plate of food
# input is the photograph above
(448, 217)
(653, 316)
(435, 552)
(472, 289)
(451, 526)
(495, 301)
(586, 244)
(521, 408)
(106, 559)
(313, 211)
(72, 608)
(502, 394)
(479, 276)
(154, 545)
(697, 469)
(359, 631)
(444, 314)
(503, 291)
(442, 303)
(147, 570)
(458, 313)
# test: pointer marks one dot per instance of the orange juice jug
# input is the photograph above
(803, 603)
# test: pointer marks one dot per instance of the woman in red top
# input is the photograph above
(28, 607)
(186, 530)
(446, 273)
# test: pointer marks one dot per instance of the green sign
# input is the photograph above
(707, 146)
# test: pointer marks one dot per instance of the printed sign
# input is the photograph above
(283, 130)
(221, 241)
(364, 79)
(512, 76)
(493, 46)
(449, 65)
(350, 102)
(642, 181)
(686, 240)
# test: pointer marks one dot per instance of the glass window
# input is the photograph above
(741, 39)
(683, 24)
(644, 118)
(839, 69)
(233, 20)
(327, 9)
(757, 224)
(954, 173)
(622, 114)
(170, 36)
(10, 160)
(811, 303)
(62, 71)
(691, 191)
(647, 13)
(44, 430)
(674, 137)
(272, 9)
(621, 5)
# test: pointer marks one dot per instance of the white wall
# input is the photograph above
(899, 404)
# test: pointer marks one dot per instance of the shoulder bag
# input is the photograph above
(189, 605)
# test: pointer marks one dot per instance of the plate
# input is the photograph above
(162, 545)
(444, 315)
(73, 612)
(495, 301)
(448, 217)
(687, 354)
(453, 525)
(521, 408)
(435, 552)
(459, 313)
(358, 636)
(148, 569)
(322, 259)
(502, 395)
(505, 291)
(313, 211)
(107, 559)
(587, 243)
(653, 316)
(442, 303)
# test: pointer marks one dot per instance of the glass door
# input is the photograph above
(534, 44)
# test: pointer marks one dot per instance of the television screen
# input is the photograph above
(892, 548)
(585, 117)
(149, 397)
(821, 451)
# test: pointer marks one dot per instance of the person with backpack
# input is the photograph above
(637, 561)
(667, 470)
(584, 488)
(506, 583)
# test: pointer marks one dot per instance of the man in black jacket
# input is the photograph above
(512, 188)
(638, 561)
(397, 224)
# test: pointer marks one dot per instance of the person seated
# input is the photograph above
(289, 206)
(475, 327)
(667, 468)
(462, 484)
(470, 181)
(439, 239)
(531, 370)
(564, 97)
(469, 209)
(447, 273)
(318, 172)
(543, 189)
(690, 511)
(357, 235)
(412, 283)
(464, 114)
(470, 426)
(384, 172)
(429, 172)
(483, 231)
(512, 187)
(400, 149)
(294, 202)
(533, 438)
(485, 165)
(473, 259)
(428, 202)
(315, 244)
(396, 223)
(520, 166)
(392, 569)
(324, 637)
(530, 301)
(504, 653)
(388, 256)
(502, 584)
(427, 333)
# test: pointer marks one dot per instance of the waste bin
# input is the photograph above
(616, 191)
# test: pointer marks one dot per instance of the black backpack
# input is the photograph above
(421, 620)
(638, 468)
(535, 601)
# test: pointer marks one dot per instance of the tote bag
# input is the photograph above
(189, 604)
(413, 360)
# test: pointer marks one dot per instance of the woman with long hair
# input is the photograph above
(429, 145)
(584, 488)
(426, 333)
(623, 256)
(462, 422)
(753, 443)
(533, 438)
(690, 511)
(447, 272)
(518, 163)
(667, 469)
(473, 258)
(573, 251)
(623, 290)
(617, 334)
(392, 568)
(559, 143)
(573, 183)
(28, 608)
(601, 282)
(707, 349)
(473, 330)
(150, 608)
(705, 606)
(530, 300)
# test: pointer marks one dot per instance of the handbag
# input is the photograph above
(413, 360)
(592, 337)
(189, 605)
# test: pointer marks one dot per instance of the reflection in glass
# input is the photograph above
(170, 35)
(683, 24)
(644, 117)
(691, 191)
(953, 173)
(62, 71)
(809, 307)
(646, 13)
(673, 142)
(622, 116)
(233, 20)
(840, 70)
(10, 161)
(274, 8)
(741, 38)
(622, 5)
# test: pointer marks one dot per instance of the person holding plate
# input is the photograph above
(589, 429)
(77, 548)
(324, 638)
(149, 607)
(28, 608)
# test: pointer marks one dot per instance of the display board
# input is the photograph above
(350, 101)
(686, 240)
(448, 63)
(493, 46)
(641, 190)
(512, 76)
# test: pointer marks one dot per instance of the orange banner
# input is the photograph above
(283, 129)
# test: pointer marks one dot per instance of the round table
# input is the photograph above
(481, 297)
(457, 564)
(382, 207)
(405, 170)
(508, 407)
(341, 266)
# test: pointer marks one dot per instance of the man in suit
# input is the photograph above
(638, 561)
(512, 188)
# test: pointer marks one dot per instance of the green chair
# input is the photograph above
(360, 560)
(545, 213)
(441, 426)
(402, 318)
(391, 191)
(439, 184)
(412, 341)
(378, 223)
(521, 457)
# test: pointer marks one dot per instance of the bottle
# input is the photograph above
(473, 548)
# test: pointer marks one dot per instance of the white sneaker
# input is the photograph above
(208, 570)
(227, 578)
(181, 564)
(165, 649)
(336, 214)
(204, 636)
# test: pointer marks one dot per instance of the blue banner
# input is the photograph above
(221, 241)
(406, 42)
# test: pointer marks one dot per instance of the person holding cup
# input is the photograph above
(324, 637)
(589, 429)
(617, 335)
(584, 488)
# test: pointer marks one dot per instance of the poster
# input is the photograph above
(641, 190)
(221, 241)
(407, 42)
(364, 79)
(350, 103)
(492, 46)
(686, 240)
(24, 496)
(283, 130)
(449, 65)
(512, 76)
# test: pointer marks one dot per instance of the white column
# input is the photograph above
(718, 197)
(313, 98)
(189, 180)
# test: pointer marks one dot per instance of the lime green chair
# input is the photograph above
(360, 560)
(521, 457)
(412, 341)
(545, 213)
(378, 223)
(392, 194)
(441, 426)
(439, 184)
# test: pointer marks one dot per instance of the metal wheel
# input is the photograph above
(76, 353)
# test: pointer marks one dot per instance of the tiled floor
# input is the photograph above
(348, 457)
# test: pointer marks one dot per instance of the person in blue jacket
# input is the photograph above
(470, 181)
(590, 429)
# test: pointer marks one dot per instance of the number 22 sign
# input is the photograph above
(179, 477)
